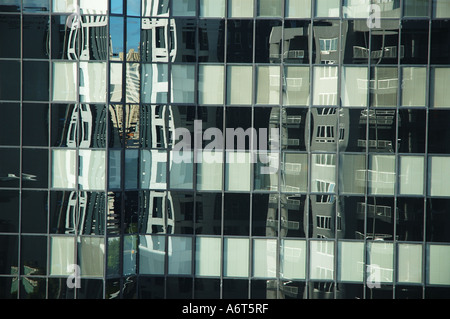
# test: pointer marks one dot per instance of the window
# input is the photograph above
(236, 257)
(208, 256)
(438, 176)
(240, 8)
(351, 261)
(321, 265)
(210, 82)
(293, 259)
(264, 258)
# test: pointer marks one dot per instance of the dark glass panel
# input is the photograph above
(114, 213)
(184, 50)
(412, 131)
(35, 168)
(235, 289)
(11, 6)
(8, 287)
(384, 292)
(10, 35)
(63, 208)
(178, 288)
(438, 220)
(60, 37)
(33, 288)
(131, 209)
(90, 289)
(9, 249)
(152, 212)
(129, 287)
(238, 117)
(380, 218)
(236, 214)
(36, 37)
(349, 291)
(112, 289)
(35, 124)
(438, 131)
(382, 131)
(326, 42)
(9, 167)
(265, 217)
(294, 128)
(354, 124)
(384, 43)
(181, 210)
(91, 209)
(409, 292)
(267, 45)
(208, 214)
(34, 211)
(239, 41)
(410, 213)
(33, 258)
(437, 293)
(352, 209)
(35, 81)
(211, 37)
(152, 133)
(9, 124)
(440, 42)
(57, 289)
(263, 289)
(36, 6)
(10, 80)
(414, 42)
(292, 290)
(151, 287)
(206, 288)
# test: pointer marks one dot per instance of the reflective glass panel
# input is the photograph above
(351, 261)
(440, 95)
(239, 84)
(325, 85)
(183, 83)
(239, 41)
(212, 8)
(180, 255)
(264, 258)
(438, 176)
(409, 263)
(210, 82)
(62, 254)
(380, 262)
(236, 257)
(10, 26)
(152, 252)
(208, 256)
(268, 85)
(438, 262)
(293, 259)
(298, 9)
(240, 9)
(296, 86)
(414, 86)
(321, 262)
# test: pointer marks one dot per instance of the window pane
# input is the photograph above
(238, 171)
(212, 8)
(294, 174)
(180, 255)
(183, 80)
(441, 9)
(269, 8)
(414, 42)
(63, 169)
(236, 253)
(321, 264)
(325, 85)
(411, 175)
(264, 258)
(153, 169)
(329, 8)
(64, 81)
(351, 261)
(91, 252)
(152, 252)
(10, 26)
(296, 86)
(92, 169)
(210, 82)
(184, 7)
(356, 9)
(239, 84)
(323, 173)
(438, 264)
(352, 177)
(240, 8)
(383, 86)
(92, 82)
(439, 176)
(36, 81)
(415, 8)
(409, 263)
(62, 254)
(181, 170)
(293, 259)
(380, 260)
(207, 256)
(381, 174)
(298, 8)
(209, 171)
(114, 176)
(414, 86)
(268, 85)
(155, 83)
(354, 86)
(440, 81)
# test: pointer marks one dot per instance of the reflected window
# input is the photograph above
(354, 91)
(325, 85)
(414, 86)
(267, 84)
(323, 173)
(293, 259)
(355, 44)
(296, 86)
(155, 83)
(181, 170)
(296, 42)
(384, 47)
(153, 169)
(268, 46)
(294, 173)
(383, 86)
(264, 258)
(240, 41)
(236, 257)
(91, 169)
(321, 263)
(211, 34)
(352, 177)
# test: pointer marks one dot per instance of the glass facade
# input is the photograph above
(352, 201)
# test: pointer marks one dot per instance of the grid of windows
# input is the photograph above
(93, 95)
